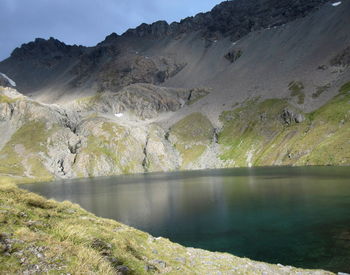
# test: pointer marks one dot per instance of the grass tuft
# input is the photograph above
(297, 90)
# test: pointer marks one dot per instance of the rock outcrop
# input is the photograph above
(342, 59)
(86, 139)
(145, 101)
(232, 18)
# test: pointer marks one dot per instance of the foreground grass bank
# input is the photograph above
(43, 236)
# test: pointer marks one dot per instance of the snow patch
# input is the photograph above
(336, 4)
(119, 115)
(12, 83)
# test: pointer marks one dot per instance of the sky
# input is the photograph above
(85, 22)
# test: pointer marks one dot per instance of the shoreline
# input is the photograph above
(82, 242)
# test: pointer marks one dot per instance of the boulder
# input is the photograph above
(290, 116)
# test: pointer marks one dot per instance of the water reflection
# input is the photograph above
(296, 216)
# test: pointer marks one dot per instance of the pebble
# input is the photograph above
(122, 270)
(181, 260)
(22, 215)
(160, 263)
(150, 268)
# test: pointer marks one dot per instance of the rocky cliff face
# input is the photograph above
(183, 96)
(44, 64)
(107, 134)
(43, 142)
(232, 18)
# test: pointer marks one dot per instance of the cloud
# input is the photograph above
(85, 22)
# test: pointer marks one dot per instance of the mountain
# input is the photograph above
(249, 83)
(148, 54)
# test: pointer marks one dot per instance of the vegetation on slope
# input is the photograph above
(109, 150)
(43, 236)
(191, 136)
(320, 90)
(259, 133)
(24, 154)
(256, 133)
(297, 90)
(6, 99)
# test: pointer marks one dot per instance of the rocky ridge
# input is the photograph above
(231, 18)
(120, 60)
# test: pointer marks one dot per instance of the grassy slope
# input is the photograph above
(44, 236)
(6, 99)
(114, 145)
(27, 147)
(192, 135)
(256, 133)
(253, 134)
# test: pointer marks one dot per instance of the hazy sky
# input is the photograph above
(85, 22)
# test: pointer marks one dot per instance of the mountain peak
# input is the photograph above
(43, 47)
(232, 19)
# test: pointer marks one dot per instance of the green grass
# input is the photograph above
(320, 90)
(297, 90)
(6, 99)
(89, 101)
(191, 135)
(249, 128)
(345, 88)
(24, 149)
(322, 139)
(114, 145)
(48, 237)
(193, 128)
(191, 153)
(192, 101)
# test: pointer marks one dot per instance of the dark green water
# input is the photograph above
(292, 216)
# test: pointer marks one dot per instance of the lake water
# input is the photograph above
(292, 216)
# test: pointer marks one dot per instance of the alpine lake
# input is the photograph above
(297, 216)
